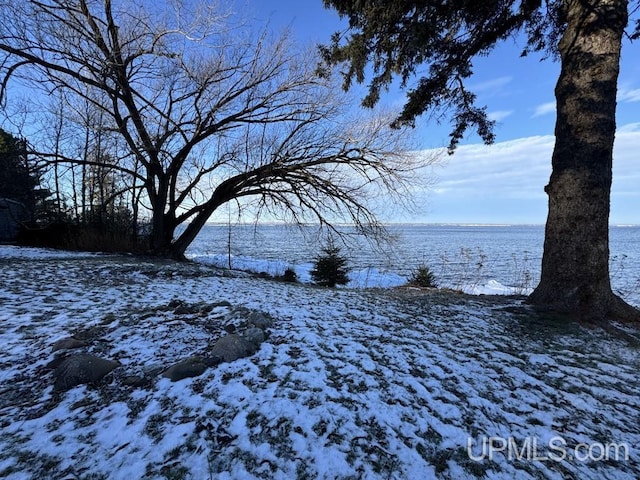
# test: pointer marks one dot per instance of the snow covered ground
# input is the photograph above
(351, 384)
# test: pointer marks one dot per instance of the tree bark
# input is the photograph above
(575, 264)
(161, 238)
(162, 224)
(222, 194)
(180, 245)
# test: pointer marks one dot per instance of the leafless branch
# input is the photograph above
(202, 111)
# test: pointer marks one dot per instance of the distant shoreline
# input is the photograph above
(404, 224)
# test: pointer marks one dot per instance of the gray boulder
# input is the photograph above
(232, 347)
(79, 369)
(223, 303)
(190, 367)
(134, 381)
(68, 343)
(259, 320)
(254, 335)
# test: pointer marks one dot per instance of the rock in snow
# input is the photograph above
(259, 320)
(254, 335)
(67, 344)
(190, 367)
(79, 369)
(232, 347)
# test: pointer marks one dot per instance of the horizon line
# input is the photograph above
(408, 223)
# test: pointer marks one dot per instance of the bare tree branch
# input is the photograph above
(204, 112)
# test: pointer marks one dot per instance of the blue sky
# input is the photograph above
(502, 183)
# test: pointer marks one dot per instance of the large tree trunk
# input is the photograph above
(223, 193)
(575, 264)
(161, 238)
(163, 224)
(189, 234)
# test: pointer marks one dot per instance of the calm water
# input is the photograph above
(457, 254)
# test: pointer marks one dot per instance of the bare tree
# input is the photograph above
(206, 111)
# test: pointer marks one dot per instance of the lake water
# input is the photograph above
(476, 258)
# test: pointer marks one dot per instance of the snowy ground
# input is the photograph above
(351, 384)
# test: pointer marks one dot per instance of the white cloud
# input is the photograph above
(490, 85)
(629, 128)
(544, 109)
(626, 94)
(499, 115)
(505, 182)
(516, 168)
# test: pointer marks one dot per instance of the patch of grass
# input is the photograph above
(431, 435)
(135, 407)
(373, 448)
(439, 459)
(313, 402)
(155, 426)
(267, 373)
(228, 376)
(476, 469)
(254, 419)
(39, 465)
(320, 428)
(360, 387)
(175, 471)
(535, 421)
(303, 472)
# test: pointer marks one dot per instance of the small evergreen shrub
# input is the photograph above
(330, 268)
(423, 277)
(289, 276)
